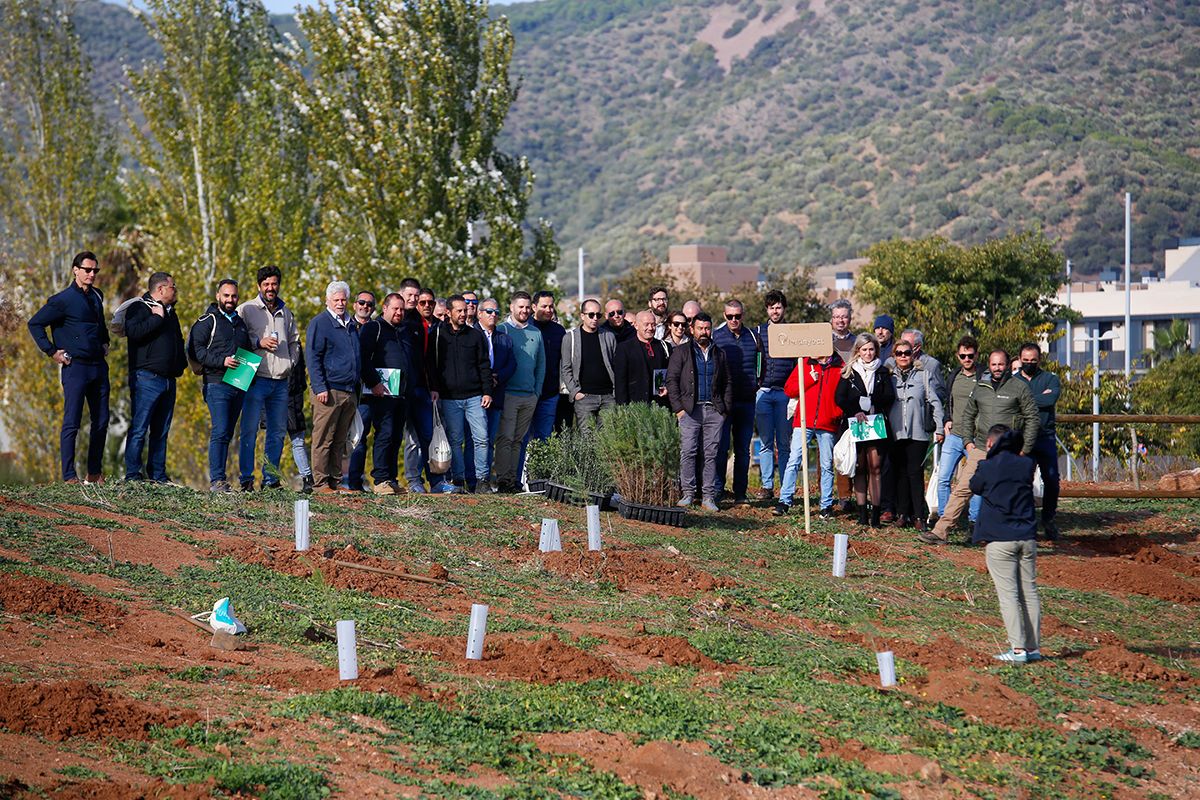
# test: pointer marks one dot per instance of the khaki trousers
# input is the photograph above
(1013, 567)
(960, 495)
(331, 431)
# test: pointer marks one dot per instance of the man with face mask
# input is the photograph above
(998, 398)
(1045, 388)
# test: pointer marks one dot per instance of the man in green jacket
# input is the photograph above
(999, 398)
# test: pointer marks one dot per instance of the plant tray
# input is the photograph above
(605, 501)
(537, 486)
(660, 515)
(564, 494)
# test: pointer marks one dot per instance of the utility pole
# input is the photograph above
(581, 277)
(1128, 294)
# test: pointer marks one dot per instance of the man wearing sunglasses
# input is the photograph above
(503, 364)
(743, 353)
(586, 367)
(356, 465)
(616, 324)
(962, 383)
(276, 339)
(472, 301)
(420, 403)
(78, 341)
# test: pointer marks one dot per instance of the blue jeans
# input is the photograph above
(224, 405)
(1045, 453)
(269, 395)
(153, 409)
(738, 427)
(356, 465)
(420, 428)
(457, 415)
(770, 416)
(493, 425)
(825, 442)
(82, 382)
(953, 451)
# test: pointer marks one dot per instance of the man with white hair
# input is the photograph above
(333, 372)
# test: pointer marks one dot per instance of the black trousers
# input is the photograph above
(388, 417)
(908, 477)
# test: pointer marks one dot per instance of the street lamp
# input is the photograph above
(1095, 339)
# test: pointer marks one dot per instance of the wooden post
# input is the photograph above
(1133, 457)
(804, 453)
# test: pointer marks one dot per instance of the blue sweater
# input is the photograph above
(776, 371)
(76, 320)
(1005, 482)
(530, 374)
(741, 353)
(332, 355)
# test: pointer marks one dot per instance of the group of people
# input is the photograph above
(494, 380)
(394, 371)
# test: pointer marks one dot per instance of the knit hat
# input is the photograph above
(884, 321)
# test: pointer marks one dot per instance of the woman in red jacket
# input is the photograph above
(824, 419)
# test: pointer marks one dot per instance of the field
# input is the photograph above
(718, 661)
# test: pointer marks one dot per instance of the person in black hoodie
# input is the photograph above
(866, 388)
(386, 344)
(461, 373)
(1007, 525)
(297, 422)
(215, 339)
(157, 359)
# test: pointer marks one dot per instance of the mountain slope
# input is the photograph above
(811, 130)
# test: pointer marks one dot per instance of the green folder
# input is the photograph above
(247, 367)
(392, 380)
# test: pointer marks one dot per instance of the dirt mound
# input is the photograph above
(392, 680)
(547, 660)
(980, 695)
(25, 594)
(662, 574)
(1117, 661)
(664, 768)
(942, 652)
(157, 789)
(890, 763)
(1135, 548)
(674, 651)
(304, 565)
(1118, 574)
(78, 708)
(1053, 626)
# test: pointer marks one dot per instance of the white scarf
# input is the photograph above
(866, 370)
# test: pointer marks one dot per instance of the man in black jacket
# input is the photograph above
(156, 359)
(701, 395)
(461, 372)
(215, 339)
(387, 345)
(637, 361)
(79, 342)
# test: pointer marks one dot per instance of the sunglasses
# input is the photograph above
(425, 302)
(367, 303)
(489, 311)
(616, 313)
(966, 356)
(733, 316)
(690, 320)
(89, 270)
(905, 353)
(678, 324)
(593, 314)
(471, 302)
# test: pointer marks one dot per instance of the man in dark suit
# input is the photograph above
(637, 361)
(701, 395)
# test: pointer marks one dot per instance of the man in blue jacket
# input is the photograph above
(1008, 527)
(743, 353)
(503, 363)
(214, 341)
(771, 403)
(334, 373)
(79, 342)
(156, 357)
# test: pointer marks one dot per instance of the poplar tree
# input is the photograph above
(57, 166)
(406, 101)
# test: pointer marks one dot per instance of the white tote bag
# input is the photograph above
(931, 488)
(845, 455)
(439, 446)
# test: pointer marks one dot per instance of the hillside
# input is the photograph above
(805, 132)
(800, 133)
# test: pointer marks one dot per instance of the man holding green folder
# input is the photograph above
(214, 342)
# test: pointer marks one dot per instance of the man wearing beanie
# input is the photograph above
(885, 332)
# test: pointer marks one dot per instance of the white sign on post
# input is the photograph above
(801, 341)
